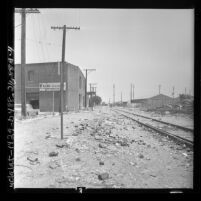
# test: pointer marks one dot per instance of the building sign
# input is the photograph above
(52, 86)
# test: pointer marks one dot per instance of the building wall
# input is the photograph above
(158, 102)
(75, 76)
(49, 72)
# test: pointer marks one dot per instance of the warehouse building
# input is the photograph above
(159, 101)
(43, 86)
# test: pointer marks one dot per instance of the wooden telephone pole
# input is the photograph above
(133, 91)
(87, 70)
(61, 69)
(113, 94)
(159, 88)
(23, 12)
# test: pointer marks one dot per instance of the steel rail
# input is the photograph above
(187, 142)
(163, 122)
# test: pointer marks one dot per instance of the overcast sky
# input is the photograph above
(146, 47)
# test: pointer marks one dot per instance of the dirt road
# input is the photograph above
(100, 150)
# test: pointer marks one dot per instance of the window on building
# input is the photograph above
(30, 75)
(80, 82)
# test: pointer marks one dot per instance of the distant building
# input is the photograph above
(43, 83)
(159, 101)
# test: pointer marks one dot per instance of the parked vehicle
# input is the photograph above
(29, 109)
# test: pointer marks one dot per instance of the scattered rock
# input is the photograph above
(78, 159)
(77, 150)
(152, 175)
(149, 146)
(179, 148)
(141, 156)
(124, 142)
(101, 163)
(33, 160)
(53, 165)
(185, 154)
(53, 153)
(133, 163)
(97, 137)
(103, 176)
(48, 136)
(61, 179)
(102, 145)
(70, 140)
(75, 134)
(61, 144)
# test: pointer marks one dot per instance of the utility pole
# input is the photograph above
(121, 97)
(185, 91)
(94, 90)
(61, 69)
(91, 92)
(23, 12)
(172, 92)
(159, 87)
(113, 94)
(133, 90)
(87, 70)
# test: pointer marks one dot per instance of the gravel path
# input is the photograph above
(100, 150)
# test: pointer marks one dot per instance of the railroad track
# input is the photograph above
(163, 122)
(178, 133)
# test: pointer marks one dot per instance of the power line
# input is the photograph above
(34, 33)
(40, 33)
(40, 42)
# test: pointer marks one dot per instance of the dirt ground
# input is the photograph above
(100, 149)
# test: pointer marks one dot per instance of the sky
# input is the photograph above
(144, 47)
